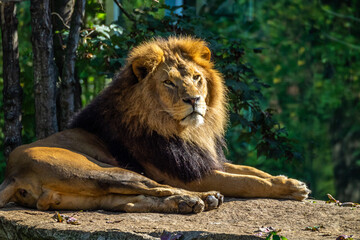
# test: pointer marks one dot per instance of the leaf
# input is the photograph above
(314, 228)
(235, 85)
(58, 217)
(332, 199)
(276, 237)
(269, 237)
(104, 30)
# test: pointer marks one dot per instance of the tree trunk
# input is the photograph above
(44, 69)
(67, 92)
(61, 11)
(12, 91)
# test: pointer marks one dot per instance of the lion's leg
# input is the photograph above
(124, 182)
(128, 203)
(236, 185)
(245, 170)
(7, 191)
(171, 204)
(141, 185)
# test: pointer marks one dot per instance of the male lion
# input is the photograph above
(150, 142)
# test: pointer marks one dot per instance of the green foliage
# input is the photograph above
(274, 236)
(107, 47)
(318, 76)
(308, 52)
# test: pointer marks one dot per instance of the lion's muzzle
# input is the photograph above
(192, 101)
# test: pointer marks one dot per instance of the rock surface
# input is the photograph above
(235, 219)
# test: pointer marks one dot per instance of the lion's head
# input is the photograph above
(176, 91)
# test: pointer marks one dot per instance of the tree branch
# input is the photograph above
(357, 47)
(61, 19)
(338, 14)
(131, 18)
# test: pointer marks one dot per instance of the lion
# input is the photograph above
(152, 141)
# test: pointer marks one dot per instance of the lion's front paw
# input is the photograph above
(300, 190)
(189, 204)
(291, 188)
(212, 200)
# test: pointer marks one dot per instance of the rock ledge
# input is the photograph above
(236, 219)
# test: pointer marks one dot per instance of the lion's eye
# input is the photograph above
(169, 83)
(196, 77)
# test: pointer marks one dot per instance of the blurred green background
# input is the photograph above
(292, 68)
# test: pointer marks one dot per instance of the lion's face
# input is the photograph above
(182, 90)
(172, 88)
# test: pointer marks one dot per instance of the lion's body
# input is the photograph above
(161, 120)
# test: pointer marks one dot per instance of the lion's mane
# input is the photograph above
(135, 128)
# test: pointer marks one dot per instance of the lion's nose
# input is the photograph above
(191, 100)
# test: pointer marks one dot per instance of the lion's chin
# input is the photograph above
(194, 120)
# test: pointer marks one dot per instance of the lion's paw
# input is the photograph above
(291, 188)
(299, 190)
(212, 200)
(189, 204)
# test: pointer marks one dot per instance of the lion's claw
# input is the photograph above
(211, 202)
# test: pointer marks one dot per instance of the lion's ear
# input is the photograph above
(139, 69)
(206, 53)
(146, 59)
